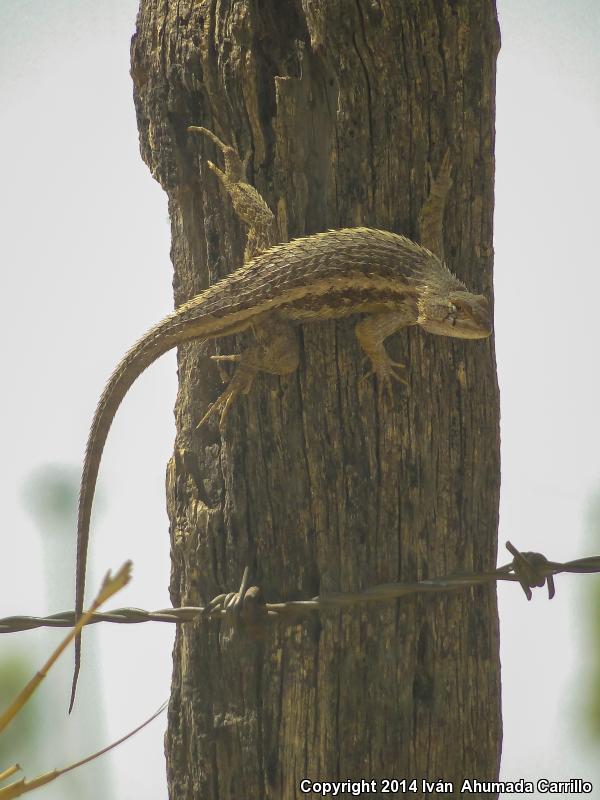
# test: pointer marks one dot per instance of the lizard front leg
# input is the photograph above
(373, 330)
(371, 333)
(276, 351)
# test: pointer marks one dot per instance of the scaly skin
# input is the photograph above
(330, 275)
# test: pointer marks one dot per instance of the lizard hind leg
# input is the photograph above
(431, 218)
(276, 351)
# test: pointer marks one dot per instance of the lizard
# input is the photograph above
(393, 280)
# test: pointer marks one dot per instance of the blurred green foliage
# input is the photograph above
(591, 688)
(50, 494)
(15, 671)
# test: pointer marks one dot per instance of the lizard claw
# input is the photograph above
(232, 357)
(223, 374)
(445, 171)
(386, 372)
(241, 383)
(223, 404)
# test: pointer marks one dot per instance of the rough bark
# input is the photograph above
(318, 483)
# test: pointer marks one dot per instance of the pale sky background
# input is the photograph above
(85, 269)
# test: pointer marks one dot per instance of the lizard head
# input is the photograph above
(459, 314)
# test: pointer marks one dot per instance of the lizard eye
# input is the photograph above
(451, 315)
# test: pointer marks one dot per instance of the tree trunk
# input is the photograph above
(319, 483)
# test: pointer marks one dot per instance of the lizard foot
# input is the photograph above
(386, 372)
(444, 174)
(241, 383)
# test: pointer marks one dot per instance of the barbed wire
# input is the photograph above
(530, 570)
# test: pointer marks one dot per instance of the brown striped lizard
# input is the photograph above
(390, 279)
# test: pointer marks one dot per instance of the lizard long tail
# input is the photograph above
(157, 341)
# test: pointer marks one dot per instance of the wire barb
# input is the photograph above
(246, 607)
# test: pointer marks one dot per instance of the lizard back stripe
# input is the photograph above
(287, 275)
